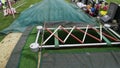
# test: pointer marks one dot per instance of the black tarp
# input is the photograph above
(81, 60)
(15, 56)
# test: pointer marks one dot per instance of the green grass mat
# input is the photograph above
(28, 58)
(82, 49)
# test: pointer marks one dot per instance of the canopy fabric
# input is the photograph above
(47, 11)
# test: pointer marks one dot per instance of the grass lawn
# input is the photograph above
(6, 21)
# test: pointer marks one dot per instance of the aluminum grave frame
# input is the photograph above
(105, 36)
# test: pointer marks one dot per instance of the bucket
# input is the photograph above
(34, 47)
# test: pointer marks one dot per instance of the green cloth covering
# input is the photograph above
(49, 11)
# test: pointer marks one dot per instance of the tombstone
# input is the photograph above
(111, 12)
(117, 15)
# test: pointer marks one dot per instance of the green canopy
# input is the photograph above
(47, 11)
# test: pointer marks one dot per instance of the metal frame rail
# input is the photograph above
(103, 36)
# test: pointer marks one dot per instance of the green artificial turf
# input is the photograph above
(28, 58)
(82, 49)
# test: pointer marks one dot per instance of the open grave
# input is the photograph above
(77, 35)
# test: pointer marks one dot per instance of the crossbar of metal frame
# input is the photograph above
(36, 41)
(80, 45)
(68, 28)
(106, 40)
(69, 34)
(89, 35)
(114, 32)
(111, 33)
(51, 35)
(105, 34)
(72, 35)
(55, 35)
(100, 32)
(85, 33)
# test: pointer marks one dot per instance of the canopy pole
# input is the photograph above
(40, 48)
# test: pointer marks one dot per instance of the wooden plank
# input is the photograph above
(6, 47)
